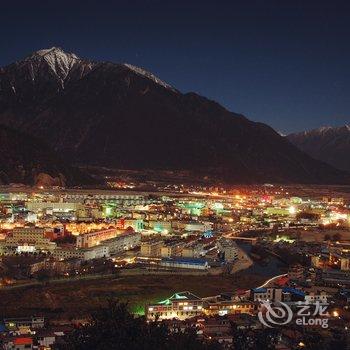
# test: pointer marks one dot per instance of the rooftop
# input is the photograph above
(179, 296)
(23, 341)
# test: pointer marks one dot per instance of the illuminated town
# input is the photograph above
(175, 175)
(291, 249)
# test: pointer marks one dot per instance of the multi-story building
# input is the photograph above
(229, 307)
(276, 295)
(19, 343)
(192, 251)
(68, 253)
(95, 252)
(125, 241)
(266, 294)
(49, 207)
(296, 272)
(91, 239)
(186, 305)
(136, 224)
(332, 277)
(27, 239)
(180, 305)
(160, 226)
(316, 261)
(345, 263)
(34, 322)
(173, 249)
(49, 264)
(151, 248)
(229, 249)
(197, 226)
(317, 296)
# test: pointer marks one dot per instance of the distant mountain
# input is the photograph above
(27, 160)
(119, 115)
(330, 144)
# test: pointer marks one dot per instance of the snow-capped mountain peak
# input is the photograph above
(59, 61)
(55, 51)
(149, 75)
(325, 130)
(330, 129)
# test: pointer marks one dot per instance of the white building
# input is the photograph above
(125, 241)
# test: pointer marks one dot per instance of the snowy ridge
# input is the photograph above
(323, 131)
(149, 75)
(326, 129)
(59, 61)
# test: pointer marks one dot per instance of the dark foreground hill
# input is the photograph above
(118, 115)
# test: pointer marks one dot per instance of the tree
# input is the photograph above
(114, 327)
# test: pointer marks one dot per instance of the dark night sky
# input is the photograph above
(286, 63)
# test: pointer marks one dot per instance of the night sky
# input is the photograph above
(285, 63)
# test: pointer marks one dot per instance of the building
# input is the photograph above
(216, 329)
(317, 296)
(180, 305)
(332, 277)
(229, 249)
(225, 305)
(185, 263)
(172, 249)
(230, 307)
(136, 224)
(51, 207)
(96, 252)
(19, 343)
(345, 263)
(192, 251)
(296, 273)
(151, 248)
(316, 261)
(49, 264)
(91, 239)
(266, 294)
(125, 241)
(68, 253)
(276, 295)
(161, 226)
(197, 226)
(27, 239)
(34, 322)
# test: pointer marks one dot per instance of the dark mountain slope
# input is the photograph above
(27, 160)
(331, 145)
(119, 115)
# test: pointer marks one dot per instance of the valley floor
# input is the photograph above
(76, 299)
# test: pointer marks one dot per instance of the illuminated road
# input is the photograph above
(270, 280)
(267, 282)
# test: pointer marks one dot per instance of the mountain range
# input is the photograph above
(329, 144)
(122, 116)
